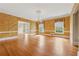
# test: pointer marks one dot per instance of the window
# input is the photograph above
(41, 27)
(20, 27)
(59, 27)
(27, 27)
(23, 27)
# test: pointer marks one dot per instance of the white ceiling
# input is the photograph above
(28, 10)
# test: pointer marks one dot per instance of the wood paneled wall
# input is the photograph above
(50, 27)
(10, 23)
(67, 26)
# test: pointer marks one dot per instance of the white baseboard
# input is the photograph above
(8, 38)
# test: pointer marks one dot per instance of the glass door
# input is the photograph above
(20, 27)
(23, 27)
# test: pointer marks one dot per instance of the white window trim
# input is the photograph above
(58, 32)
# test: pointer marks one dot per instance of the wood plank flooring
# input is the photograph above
(37, 45)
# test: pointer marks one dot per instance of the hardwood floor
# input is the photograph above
(39, 45)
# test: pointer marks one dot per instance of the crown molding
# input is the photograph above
(75, 8)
